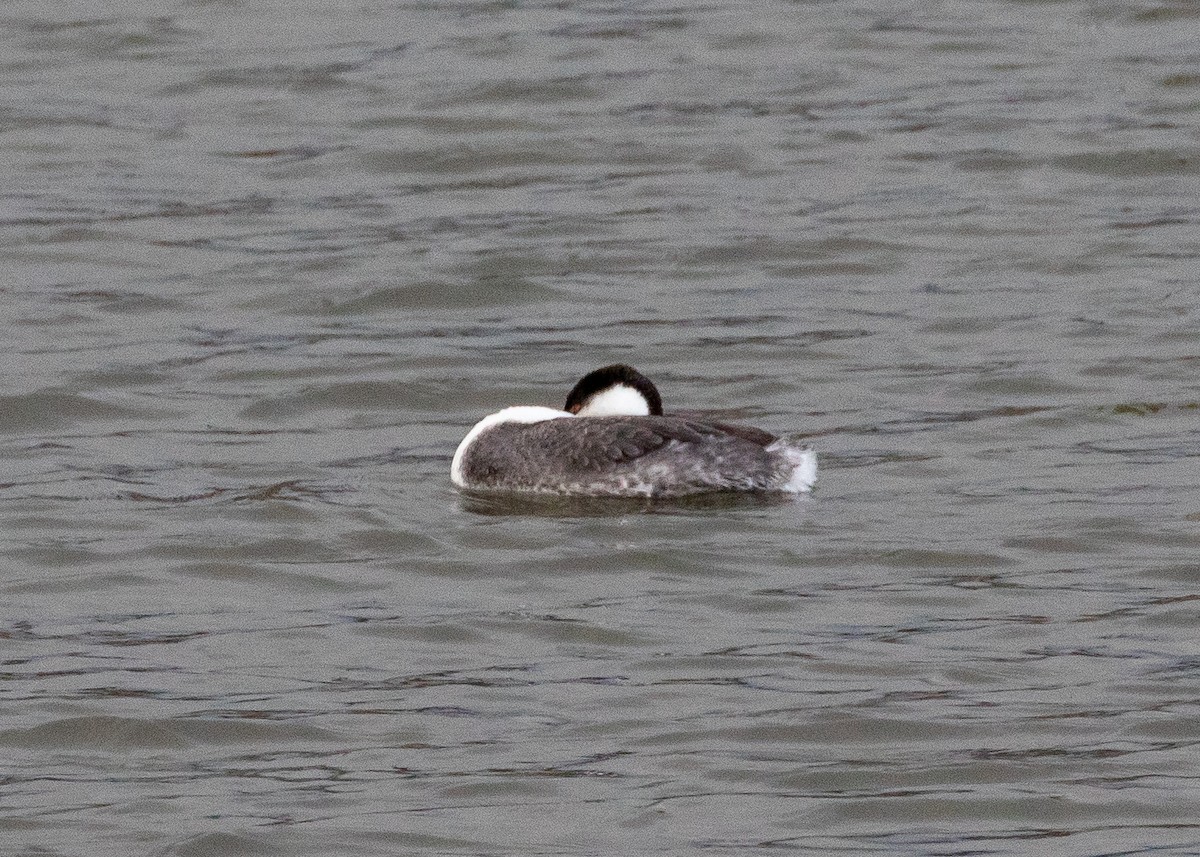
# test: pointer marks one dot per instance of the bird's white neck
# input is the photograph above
(617, 400)
(515, 414)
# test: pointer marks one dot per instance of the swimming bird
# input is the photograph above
(611, 439)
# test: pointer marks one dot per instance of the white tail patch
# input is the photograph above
(804, 466)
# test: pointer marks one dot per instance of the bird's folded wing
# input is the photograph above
(598, 443)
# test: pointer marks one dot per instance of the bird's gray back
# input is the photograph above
(649, 455)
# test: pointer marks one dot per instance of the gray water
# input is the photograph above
(264, 264)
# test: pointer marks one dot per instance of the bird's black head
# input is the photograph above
(612, 390)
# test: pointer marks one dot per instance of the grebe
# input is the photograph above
(611, 439)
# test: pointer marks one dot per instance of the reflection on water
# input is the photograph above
(488, 503)
(263, 274)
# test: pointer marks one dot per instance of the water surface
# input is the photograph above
(266, 264)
